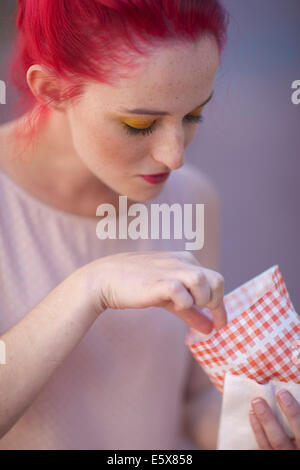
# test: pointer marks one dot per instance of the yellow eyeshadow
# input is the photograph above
(139, 124)
(197, 112)
(143, 123)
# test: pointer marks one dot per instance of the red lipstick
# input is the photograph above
(156, 179)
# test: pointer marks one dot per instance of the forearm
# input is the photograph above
(201, 418)
(38, 344)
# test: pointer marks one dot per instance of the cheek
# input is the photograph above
(104, 142)
(119, 154)
(112, 148)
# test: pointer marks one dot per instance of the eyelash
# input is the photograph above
(149, 130)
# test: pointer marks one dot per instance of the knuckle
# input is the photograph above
(218, 283)
(198, 277)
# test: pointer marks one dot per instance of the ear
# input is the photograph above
(45, 86)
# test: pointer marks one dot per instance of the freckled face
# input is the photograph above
(117, 145)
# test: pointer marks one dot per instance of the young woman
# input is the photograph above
(94, 329)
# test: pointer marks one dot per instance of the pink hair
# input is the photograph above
(92, 39)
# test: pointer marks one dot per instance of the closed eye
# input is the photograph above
(190, 118)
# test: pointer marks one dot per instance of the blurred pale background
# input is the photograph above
(250, 139)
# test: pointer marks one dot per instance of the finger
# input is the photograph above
(174, 291)
(291, 409)
(195, 320)
(179, 301)
(206, 291)
(273, 431)
(220, 316)
(197, 283)
(181, 304)
(259, 433)
(216, 303)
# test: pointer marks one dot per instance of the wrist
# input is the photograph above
(88, 283)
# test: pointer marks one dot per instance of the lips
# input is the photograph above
(156, 179)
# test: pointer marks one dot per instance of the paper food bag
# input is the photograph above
(256, 354)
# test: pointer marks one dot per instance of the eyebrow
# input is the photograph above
(161, 113)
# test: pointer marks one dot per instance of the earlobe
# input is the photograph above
(45, 86)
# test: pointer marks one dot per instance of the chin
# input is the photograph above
(144, 196)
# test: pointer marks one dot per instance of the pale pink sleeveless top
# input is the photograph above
(124, 385)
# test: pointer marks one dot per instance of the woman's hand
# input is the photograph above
(268, 432)
(172, 280)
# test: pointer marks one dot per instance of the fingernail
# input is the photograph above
(259, 406)
(207, 327)
(207, 330)
(285, 397)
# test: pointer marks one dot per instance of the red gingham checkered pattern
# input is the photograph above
(257, 341)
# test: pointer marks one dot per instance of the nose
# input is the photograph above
(170, 150)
